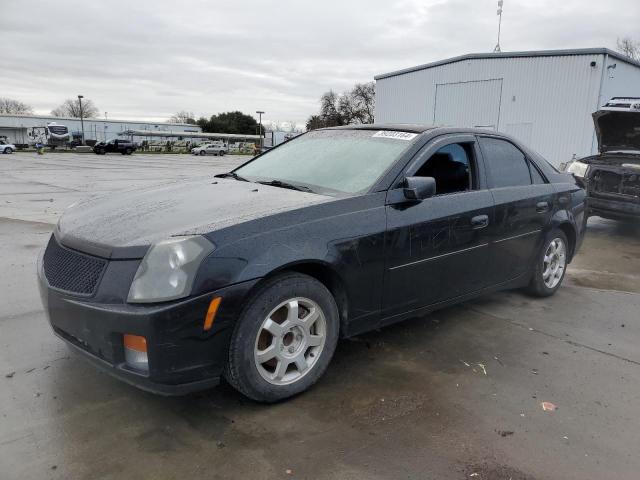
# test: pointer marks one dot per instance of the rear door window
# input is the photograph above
(507, 165)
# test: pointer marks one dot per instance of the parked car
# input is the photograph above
(215, 148)
(7, 147)
(125, 147)
(255, 275)
(612, 178)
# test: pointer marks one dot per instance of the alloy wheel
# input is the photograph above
(290, 341)
(554, 263)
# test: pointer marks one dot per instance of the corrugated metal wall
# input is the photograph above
(544, 101)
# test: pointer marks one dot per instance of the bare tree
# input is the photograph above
(275, 126)
(363, 101)
(14, 107)
(183, 117)
(330, 109)
(71, 108)
(629, 47)
(353, 107)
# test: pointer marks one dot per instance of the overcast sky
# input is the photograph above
(149, 59)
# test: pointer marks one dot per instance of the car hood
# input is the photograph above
(124, 224)
(617, 130)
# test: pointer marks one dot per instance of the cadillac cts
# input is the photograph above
(254, 275)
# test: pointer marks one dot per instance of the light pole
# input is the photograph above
(500, 4)
(260, 123)
(105, 115)
(80, 97)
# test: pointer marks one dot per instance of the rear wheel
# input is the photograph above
(551, 265)
(221, 153)
(284, 339)
(128, 151)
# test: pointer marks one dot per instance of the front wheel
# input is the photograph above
(551, 265)
(128, 151)
(8, 150)
(202, 153)
(284, 339)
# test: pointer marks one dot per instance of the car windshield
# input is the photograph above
(330, 161)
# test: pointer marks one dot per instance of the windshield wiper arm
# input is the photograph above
(290, 186)
(233, 175)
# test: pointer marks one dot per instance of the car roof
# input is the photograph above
(419, 128)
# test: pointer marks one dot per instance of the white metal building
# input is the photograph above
(28, 129)
(543, 98)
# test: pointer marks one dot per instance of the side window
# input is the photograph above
(536, 176)
(452, 168)
(506, 164)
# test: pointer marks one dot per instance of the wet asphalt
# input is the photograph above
(456, 394)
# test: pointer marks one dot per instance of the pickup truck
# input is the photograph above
(612, 177)
(125, 147)
(215, 148)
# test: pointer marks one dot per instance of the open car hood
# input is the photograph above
(617, 130)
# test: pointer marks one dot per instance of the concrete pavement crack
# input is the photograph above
(550, 335)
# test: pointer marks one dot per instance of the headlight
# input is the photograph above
(168, 269)
(579, 169)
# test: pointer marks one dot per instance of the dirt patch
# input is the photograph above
(604, 280)
(492, 471)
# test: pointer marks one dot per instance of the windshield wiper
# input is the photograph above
(290, 186)
(233, 175)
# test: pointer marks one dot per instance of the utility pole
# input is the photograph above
(500, 3)
(80, 97)
(260, 123)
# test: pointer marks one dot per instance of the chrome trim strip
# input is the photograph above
(439, 256)
(517, 236)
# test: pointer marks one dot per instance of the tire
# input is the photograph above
(269, 367)
(8, 150)
(221, 153)
(550, 265)
(128, 151)
(202, 153)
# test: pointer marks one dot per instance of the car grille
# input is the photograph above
(72, 271)
(626, 184)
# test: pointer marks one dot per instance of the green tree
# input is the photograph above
(230, 122)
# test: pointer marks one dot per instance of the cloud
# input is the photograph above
(148, 59)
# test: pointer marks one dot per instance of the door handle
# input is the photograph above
(481, 221)
(542, 207)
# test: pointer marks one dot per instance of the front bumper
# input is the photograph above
(183, 358)
(610, 208)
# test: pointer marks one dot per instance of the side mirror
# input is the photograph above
(419, 188)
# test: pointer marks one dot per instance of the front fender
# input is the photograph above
(350, 242)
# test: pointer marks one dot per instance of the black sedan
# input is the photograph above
(255, 274)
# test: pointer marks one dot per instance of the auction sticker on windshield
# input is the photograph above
(395, 135)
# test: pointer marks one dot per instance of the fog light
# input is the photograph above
(135, 352)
